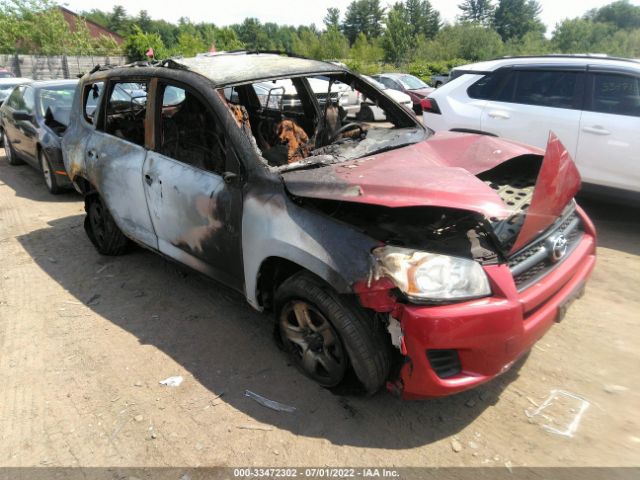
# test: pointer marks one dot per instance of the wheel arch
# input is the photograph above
(275, 270)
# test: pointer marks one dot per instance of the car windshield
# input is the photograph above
(58, 101)
(412, 83)
(376, 83)
(319, 119)
(6, 89)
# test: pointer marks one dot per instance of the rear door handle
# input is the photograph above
(596, 129)
(148, 179)
(499, 114)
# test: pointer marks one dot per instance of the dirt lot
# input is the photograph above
(85, 339)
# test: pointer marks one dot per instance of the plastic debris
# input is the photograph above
(272, 404)
(254, 427)
(172, 381)
(566, 405)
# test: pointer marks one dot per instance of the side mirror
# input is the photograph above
(22, 116)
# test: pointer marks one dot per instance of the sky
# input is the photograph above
(300, 12)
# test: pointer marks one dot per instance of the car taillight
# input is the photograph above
(429, 105)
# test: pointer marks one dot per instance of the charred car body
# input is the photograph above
(428, 263)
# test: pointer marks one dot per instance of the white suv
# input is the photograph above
(592, 103)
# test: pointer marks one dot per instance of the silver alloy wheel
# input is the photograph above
(46, 171)
(313, 342)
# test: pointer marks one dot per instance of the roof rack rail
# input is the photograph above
(595, 56)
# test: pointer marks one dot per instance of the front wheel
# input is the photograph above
(102, 229)
(326, 335)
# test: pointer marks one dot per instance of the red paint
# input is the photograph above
(376, 295)
(440, 171)
(490, 334)
(558, 182)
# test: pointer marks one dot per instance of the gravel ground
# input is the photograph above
(85, 340)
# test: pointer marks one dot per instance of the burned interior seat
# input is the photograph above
(189, 135)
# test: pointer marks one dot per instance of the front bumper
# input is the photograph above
(489, 334)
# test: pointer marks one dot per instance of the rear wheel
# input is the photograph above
(102, 229)
(11, 153)
(326, 335)
(48, 174)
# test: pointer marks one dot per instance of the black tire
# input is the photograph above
(48, 174)
(102, 229)
(11, 153)
(359, 335)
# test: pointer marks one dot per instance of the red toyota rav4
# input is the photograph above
(427, 263)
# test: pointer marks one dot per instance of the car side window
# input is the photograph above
(15, 99)
(496, 86)
(126, 111)
(188, 131)
(29, 100)
(616, 93)
(91, 99)
(546, 88)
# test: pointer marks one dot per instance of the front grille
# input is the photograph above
(535, 261)
(445, 363)
(514, 182)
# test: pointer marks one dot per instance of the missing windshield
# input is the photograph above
(319, 119)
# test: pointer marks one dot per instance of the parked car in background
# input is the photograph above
(4, 73)
(32, 120)
(386, 255)
(592, 103)
(366, 110)
(7, 85)
(403, 82)
(440, 79)
(283, 93)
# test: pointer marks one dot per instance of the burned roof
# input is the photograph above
(241, 67)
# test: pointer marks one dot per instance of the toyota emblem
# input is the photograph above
(558, 248)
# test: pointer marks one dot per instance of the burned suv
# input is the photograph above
(387, 254)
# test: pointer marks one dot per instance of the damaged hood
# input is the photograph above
(442, 172)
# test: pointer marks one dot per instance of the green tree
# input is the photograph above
(189, 45)
(366, 51)
(423, 18)
(138, 43)
(144, 21)
(514, 18)
(334, 44)
(478, 11)
(622, 14)
(470, 41)
(118, 21)
(226, 39)
(307, 44)
(398, 36)
(97, 16)
(332, 18)
(364, 16)
(532, 43)
(253, 35)
(580, 35)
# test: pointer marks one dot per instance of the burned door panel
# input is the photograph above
(115, 167)
(196, 217)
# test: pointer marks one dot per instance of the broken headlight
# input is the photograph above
(431, 276)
